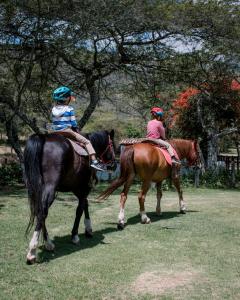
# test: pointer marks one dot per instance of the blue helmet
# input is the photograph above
(61, 93)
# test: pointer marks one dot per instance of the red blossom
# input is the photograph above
(235, 86)
(183, 99)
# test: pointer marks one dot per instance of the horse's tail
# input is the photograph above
(127, 168)
(33, 175)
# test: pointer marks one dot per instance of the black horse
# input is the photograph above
(51, 165)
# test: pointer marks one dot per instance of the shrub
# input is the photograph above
(10, 174)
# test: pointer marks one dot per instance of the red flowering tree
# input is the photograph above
(208, 112)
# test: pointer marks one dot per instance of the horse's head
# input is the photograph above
(195, 156)
(190, 150)
(103, 143)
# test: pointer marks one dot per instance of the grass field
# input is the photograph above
(192, 256)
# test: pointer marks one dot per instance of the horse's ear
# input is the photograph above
(112, 134)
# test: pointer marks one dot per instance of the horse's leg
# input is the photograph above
(79, 212)
(32, 248)
(159, 197)
(141, 197)
(48, 198)
(48, 243)
(87, 221)
(123, 199)
(48, 194)
(182, 206)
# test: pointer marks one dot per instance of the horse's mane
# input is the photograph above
(185, 147)
(98, 137)
(185, 142)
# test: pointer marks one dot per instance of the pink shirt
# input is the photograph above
(155, 129)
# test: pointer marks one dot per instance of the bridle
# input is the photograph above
(200, 164)
(111, 148)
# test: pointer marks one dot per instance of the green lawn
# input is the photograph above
(192, 256)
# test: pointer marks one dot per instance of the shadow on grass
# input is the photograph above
(13, 191)
(65, 247)
(155, 218)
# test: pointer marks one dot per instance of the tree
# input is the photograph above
(209, 113)
(73, 43)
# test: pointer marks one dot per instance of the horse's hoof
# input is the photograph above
(146, 221)
(75, 240)
(49, 246)
(158, 212)
(120, 226)
(183, 211)
(88, 234)
(31, 260)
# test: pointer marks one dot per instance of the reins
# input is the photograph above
(109, 146)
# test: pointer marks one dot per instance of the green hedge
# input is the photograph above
(10, 174)
(210, 179)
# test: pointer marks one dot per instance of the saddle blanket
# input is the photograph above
(164, 151)
(78, 148)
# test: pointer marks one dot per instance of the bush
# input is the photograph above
(220, 178)
(10, 174)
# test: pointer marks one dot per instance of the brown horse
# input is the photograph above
(148, 162)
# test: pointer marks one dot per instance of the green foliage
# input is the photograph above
(211, 179)
(10, 174)
(219, 179)
(133, 132)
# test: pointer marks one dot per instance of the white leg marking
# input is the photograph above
(144, 218)
(31, 256)
(183, 206)
(121, 216)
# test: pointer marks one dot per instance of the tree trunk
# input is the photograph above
(238, 154)
(94, 99)
(212, 149)
(233, 174)
(13, 139)
(197, 177)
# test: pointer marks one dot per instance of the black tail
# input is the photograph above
(33, 175)
(127, 167)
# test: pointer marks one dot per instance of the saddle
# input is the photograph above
(131, 141)
(77, 147)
